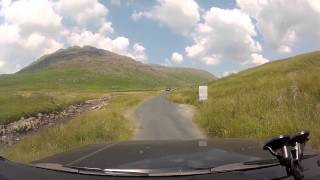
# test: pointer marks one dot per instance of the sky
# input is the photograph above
(220, 36)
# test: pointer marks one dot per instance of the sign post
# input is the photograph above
(203, 93)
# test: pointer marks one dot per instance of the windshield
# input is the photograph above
(159, 84)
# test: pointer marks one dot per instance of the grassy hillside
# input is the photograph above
(81, 79)
(89, 68)
(280, 97)
(76, 74)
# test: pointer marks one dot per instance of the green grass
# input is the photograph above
(107, 124)
(82, 79)
(58, 80)
(27, 103)
(281, 97)
(52, 88)
(46, 90)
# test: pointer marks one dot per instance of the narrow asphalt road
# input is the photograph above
(160, 119)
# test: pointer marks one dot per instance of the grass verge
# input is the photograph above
(281, 97)
(106, 124)
(15, 104)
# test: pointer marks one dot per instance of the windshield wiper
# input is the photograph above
(244, 166)
(156, 172)
(251, 165)
(142, 172)
(92, 171)
(113, 172)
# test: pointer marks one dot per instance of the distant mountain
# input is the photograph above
(86, 57)
(92, 68)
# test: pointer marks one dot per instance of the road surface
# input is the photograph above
(160, 119)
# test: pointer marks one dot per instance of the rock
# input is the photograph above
(15, 127)
(12, 132)
(93, 108)
(52, 116)
(31, 118)
(2, 131)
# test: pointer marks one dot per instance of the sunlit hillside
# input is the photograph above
(280, 97)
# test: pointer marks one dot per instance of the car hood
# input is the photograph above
(161, 154)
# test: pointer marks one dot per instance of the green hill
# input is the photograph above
(280, 97)
(75, 74)
(89, 68)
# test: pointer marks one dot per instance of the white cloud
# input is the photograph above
(1, 63)
(227, 73)
(139, 53)
(258, 59)
(285, 23)
(106, 28)
(119, 45)
(3, 5)
(24, 50)
(31, 28)
(32, 15)
(176, 58)
(82, 12)
(210, 60)
(85, 37)
(9, 34)
(224, 34)
(255, 60)
(34, 40)
(180, 16)
(284, 49)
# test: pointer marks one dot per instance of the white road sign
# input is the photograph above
(203, 93)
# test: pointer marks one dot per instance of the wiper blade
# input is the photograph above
(91, 171)
(251, 165)
(122, 172)
(114, 172)
(244, 166)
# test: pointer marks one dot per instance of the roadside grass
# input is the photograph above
(106, 124)
(24, 94)
(92, 79)
(15, 104)
(281, 97)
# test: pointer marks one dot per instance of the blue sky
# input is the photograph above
(160, 40)
(221, 36)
